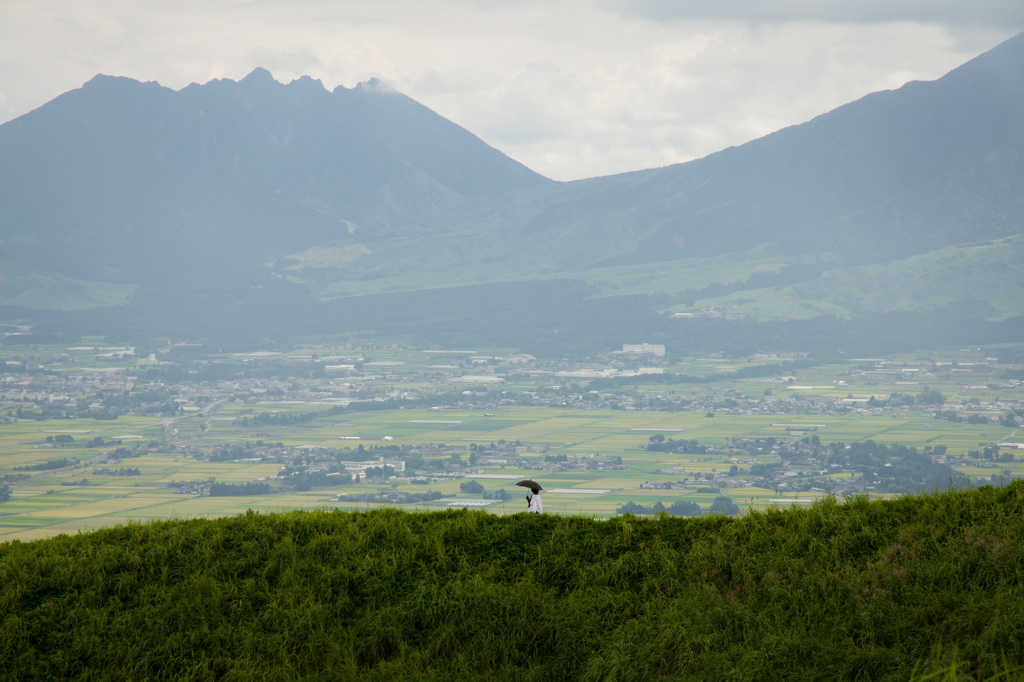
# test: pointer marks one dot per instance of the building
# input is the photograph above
(656, 349)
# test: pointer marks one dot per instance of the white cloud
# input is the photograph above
(571, 88)
(996, 13)
(6, 110)
(687, 95)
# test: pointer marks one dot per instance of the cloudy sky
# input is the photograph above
(571, 88)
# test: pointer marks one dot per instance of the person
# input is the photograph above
(534, 504)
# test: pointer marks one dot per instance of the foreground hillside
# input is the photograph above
(863, 590)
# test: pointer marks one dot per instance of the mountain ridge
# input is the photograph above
(226, 155)
(236, 186)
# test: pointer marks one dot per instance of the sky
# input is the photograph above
(570, 88)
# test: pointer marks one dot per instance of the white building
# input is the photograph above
(656, 349)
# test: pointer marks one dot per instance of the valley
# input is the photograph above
(95, 435)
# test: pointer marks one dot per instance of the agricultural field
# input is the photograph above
(760, 431)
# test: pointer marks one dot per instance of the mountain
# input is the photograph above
(266, 208)
(895, 174)
(129, 181)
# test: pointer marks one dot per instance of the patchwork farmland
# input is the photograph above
(85, 446)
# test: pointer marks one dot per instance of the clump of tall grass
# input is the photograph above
(914, 587)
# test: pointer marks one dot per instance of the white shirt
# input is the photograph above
(536, 506)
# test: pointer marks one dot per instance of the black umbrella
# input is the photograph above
(532, 485)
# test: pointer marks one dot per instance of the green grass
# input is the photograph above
(920, 587)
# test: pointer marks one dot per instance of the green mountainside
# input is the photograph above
(921, 587)
(989, 276)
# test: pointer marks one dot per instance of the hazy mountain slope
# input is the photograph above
(125, 179)
(899, 174)
(926, 166)
(261, 197)
(988, 276)
(991, 274)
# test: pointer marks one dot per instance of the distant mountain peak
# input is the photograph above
(99, 79)
(102, 80)
(308, 83)
(259, 76)
(375, 85)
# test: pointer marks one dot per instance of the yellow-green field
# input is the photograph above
(606, 431)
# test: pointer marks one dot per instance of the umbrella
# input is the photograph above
(532, 485)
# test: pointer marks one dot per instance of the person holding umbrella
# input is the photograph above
(533, 502)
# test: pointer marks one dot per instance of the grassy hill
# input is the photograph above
(912, 588)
